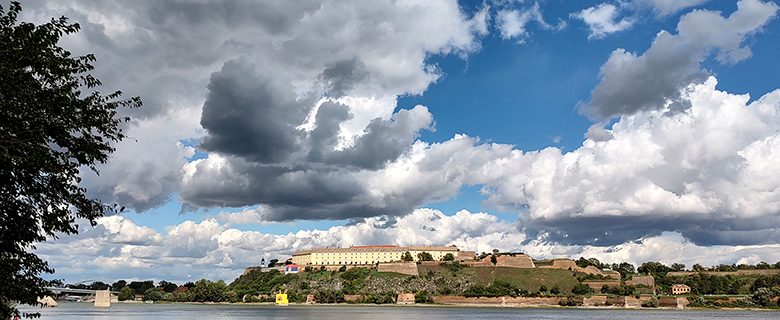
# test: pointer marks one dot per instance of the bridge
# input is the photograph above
(100, 298)
(58, 291)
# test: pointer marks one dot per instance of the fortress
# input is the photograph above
(365, 255)
(390, 258)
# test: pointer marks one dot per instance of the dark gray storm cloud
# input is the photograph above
(614, 230)
(253, 118)
(251, 114)
(631, 83)
(341, 76)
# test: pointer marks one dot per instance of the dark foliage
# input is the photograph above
(581, 289)
(52, 123)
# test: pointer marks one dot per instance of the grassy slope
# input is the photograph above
(528, 279)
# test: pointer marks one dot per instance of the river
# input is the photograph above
(85, 311)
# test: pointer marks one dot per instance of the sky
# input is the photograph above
(633, 130)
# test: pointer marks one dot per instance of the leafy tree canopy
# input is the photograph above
(53, 123)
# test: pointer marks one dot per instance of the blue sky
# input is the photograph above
(295, 125)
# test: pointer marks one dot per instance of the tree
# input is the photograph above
(678, 267)
(624, 268)
(153, 294)
(166, 286)
(126, 294)
(205, 290)
(407, 256)
(654, 268)
(53, 123)
(697, 268)
(580, 289)
(424, 256)
(141, 286)
(493, 259)
(448, 257)
(99, 285)
(273, 262)
(116, 286)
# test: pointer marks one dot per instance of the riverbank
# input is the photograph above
(429, 305)
(240, 311)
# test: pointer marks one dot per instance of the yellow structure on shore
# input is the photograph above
(363, 255)
(281, 299)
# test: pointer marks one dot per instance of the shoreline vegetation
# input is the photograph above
(453, 283)
(433, 305)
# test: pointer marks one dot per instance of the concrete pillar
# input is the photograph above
(102, 299)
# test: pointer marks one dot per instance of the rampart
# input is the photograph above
(568, 264)
(497, 301)
(409, 268)
(597, 285)
(673, 302)
(405, 298)
(593, 301)
(521, 261)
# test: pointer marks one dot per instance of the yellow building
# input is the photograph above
(680, 289)
(359, 255)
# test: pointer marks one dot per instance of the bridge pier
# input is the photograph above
(102, 299)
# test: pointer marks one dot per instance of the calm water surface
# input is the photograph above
(84, 311)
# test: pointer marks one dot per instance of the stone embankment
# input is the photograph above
(497, 301)
(408, 268)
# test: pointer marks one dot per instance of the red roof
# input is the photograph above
(376, 246)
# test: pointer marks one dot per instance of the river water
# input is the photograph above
(85, 311)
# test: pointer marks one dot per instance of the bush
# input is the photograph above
(153, 294)
(453, 266)
(651, 303)
(570, 302)
(422, 297)
(343, 268)
(329, 296)
(379, 298)
(765, 296)
(496, 289)
(581, 289)
(126, 294)
(424, 256)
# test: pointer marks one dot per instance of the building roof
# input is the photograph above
(376, 248)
